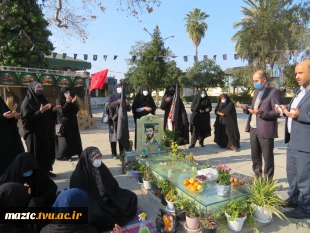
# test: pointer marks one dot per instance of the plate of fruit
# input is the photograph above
(193, 185)
(202, 178)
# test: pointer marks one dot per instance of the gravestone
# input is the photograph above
(150, 131)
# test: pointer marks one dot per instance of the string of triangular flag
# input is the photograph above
(287, 54)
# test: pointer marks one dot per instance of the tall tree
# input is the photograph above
(196, 26)
(204, 74)
(270, 27)
(27, 29)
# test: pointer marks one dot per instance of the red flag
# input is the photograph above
(98, 80)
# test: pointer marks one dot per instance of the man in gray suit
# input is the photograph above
(297, 134)
(262, 124)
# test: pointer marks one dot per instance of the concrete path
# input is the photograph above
(239, 162)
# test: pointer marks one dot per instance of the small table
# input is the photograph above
(176, 171)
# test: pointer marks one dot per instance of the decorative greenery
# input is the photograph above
(165, 186)
(175, 152)
(206, 165)
(223, 174)
(168, 137)
(134, 166)
(147, 174)
(208, 221)
(182, 203)
(122, 156)
(192, 210)
(126, 165)
(170, 196)
(191, 158)
(263, 193)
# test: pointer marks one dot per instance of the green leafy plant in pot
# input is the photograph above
(266, 200)
(154, 181)
(168, 137)
(165, 186)
(181, 207)
(147, 175)
(192, 216)
(208, 223)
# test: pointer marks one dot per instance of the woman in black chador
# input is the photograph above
(25, 170)
(108, 203)
(39, 119)
(226, 131)
(112, 107)
(175, 109)
(70, 144)
(200, 125)
(143, 105)
(11, 143)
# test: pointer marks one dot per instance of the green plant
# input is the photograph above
(191, 158)
(147, 174)
(142, 167)
(122, 156)
(176, 152)
(263, 193)
(165, 186)
(206, 165)
(130, 142)
(170, 196)
(208, 221)
(168, 137)
(133, 166)
(192, 210)
(182, 203)
(223, 174)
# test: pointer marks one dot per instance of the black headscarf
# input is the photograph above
(117, 205)
(141, 101)
(3, 107)
(167, 92)
(220, 104)
(61, 96)
(199, 101)
(115, 95)
(40, 183)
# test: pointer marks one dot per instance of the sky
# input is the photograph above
(113, 33)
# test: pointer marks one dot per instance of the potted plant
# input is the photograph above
(147, 174)
(264, 197)
(128, 168)
(135, 166)
(170, 199)
(223, 185)
(142, 167)
(168, 137)
(236, 212)
(181, 207)
(165, 186)
(154, 186)
(208, 223)
(192, 217)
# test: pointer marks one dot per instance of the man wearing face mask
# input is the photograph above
(70, 144)
(112, 109)
(262, 124)
(39, 117)
(142, 105)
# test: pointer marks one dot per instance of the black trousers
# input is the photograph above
(196, 136)
(262, 147)
(113, 148)
(298, 176)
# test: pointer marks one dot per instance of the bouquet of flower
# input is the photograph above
(223, 174)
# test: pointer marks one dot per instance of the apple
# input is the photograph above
(191, 180)
(199, 187)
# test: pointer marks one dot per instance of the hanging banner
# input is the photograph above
(47, 80)
(8, 78)
(64, 82)
(27, 78)
(78, 82)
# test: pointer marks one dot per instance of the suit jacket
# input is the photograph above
(267, 121)
(300, 129)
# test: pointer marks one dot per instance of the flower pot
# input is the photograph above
(262, 215)
(135, 175)
(129, 173)
(170, 205)
(235, 225)
(163, 200)
(180, 214)
(154, 188)
(192, 223)
(140, 178)
(208, 230)
(146, 184)
(223, 190)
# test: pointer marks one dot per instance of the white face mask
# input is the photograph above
(119, 90)
(97, 163)
(67, 95)
(145, 93)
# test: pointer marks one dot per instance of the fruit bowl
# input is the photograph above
(202, 178)
(194, 186)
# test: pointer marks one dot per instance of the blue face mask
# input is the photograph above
(203, 95)
(223, 101)
(27, 174)
(258, 85)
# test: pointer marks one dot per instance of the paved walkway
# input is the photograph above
(239, 162)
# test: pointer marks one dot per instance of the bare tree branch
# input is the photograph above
(59, 22)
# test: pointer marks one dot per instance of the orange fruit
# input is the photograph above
(196, 184)
(194, 188)
(189, 186)
(235, 180)
(186, 182)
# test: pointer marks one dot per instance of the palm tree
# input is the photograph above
(196, 27)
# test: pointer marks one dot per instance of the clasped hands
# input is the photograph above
(294, 113)
(10, 115)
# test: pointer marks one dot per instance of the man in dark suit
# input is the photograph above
(262, 124)
(297, 133)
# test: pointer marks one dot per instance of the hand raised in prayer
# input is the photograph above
(148, 109)
(293, 113)
(168, 99)
(17, 116)
(241, 105)
(119, 101)
(9, 114)
(44, 108)
(57, 107)
(69, 99)
(207, 110)
(74, 99)
(256, 111)
(117, 229)
(29, 189)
